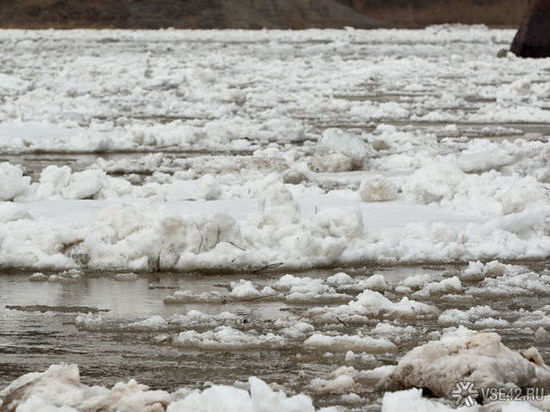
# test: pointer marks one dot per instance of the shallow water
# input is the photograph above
(39, 329)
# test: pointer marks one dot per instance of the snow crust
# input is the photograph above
(289, 150)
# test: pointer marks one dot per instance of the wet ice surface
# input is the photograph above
(240, 153)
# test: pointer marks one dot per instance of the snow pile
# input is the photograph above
(260, 399)
(525, 283)
(412, 400)
(339, 152)
(288, 288)
(90, 321)
(305, 289)
(478, 271)
(489, 193)
(344, 343)
(61, 183)
(67, 276)
(370, 304)
(59, 389)
(155, 323)
(448, 285)
(245, 290)
(342, 382)
(395, 333)
(10, 212)
(190, 320)
(154, 235)
(477, 317)
(12, 182)
(463, 355)
(226, 337)
(377, 189)
(89, 184)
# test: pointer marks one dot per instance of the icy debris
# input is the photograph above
(445, 183)
(71, 275)
(146, 237)
(463, 355)
(288, 287)
(377, 283)
(342, 383)
(154, 323)
(377, 189)
(523, 284)
(478, 271)
(531, 319)
(147, 163)
(542, 335)
(90, 321)
(12, 83)
(331, 163)
(294, 177)
(359, 357)
(416, 281)
(10, 212)
(38, 277)
(197, 319)
(342, 282)
(468, 317)
(370, 304)
(260, 399)
(278, 206)
(389, 110)
(12, 182)
(305, 289)
(296, 330)
(184, 296)
(226, 337)
(344, 343)
(433, 182)
(126, 277)
(244, 289)
(59, 389)
(337, 141)
(394, 333)
(177, 322)
(412, 400)
(89, 184)
(339, 152)
(448, 285)
(377, 374)
(339, 279)
(94, 183)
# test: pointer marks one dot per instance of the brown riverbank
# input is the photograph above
(256, 14)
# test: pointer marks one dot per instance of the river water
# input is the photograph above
(39, 329)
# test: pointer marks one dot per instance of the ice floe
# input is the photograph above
(59, 389)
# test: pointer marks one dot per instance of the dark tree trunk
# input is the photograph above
(533, 37)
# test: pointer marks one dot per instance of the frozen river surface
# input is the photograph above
(161, 186)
